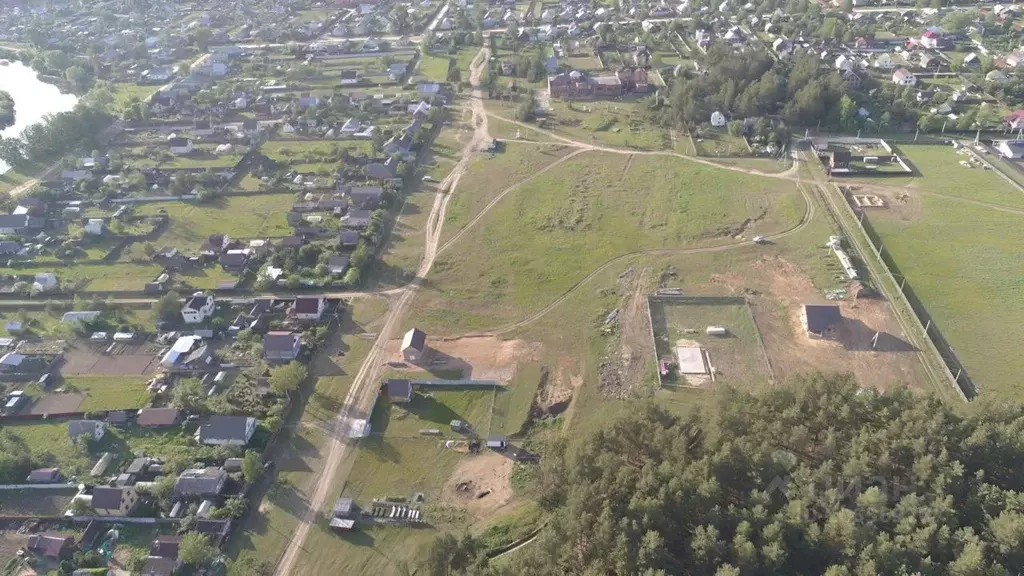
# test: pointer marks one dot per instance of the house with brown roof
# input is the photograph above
(159, 417)
(163, 556)
(310, 308)
(107, 501)
(50, 545)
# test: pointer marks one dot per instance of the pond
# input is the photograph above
(33, 98)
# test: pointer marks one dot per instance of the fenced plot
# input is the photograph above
(702, 341)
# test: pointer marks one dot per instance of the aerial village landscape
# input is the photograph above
(297, 287)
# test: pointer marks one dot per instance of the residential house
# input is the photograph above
(821, 320)
(159, 417)
(933, 63)
(91, 429)
(365, 197)
(884, 61)
(904, 77)
(338, 264)
(163, 556)
(309, 308)
(1015, 59)
(428, 89)
(414, 345)
(997, 77)
(398, 391)
(224, 430)
(198, 308)
(53, 546)
(397, 70)
(19, 224)
(349, 77)
(852, 79)
(936, 39)
(348, 239)
(703, 37)
(107, 501)
(202, 127)
(214, 245)
(971, 61)
(235, 261)
(180, 146)
(196, 483)
(214, 530)
(94, 227)
(357, 219)
(281, 346)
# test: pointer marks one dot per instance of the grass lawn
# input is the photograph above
(434, 67)
(962, 262)
(256, 216)
(124, 92)
(488, 175)
(109, 392)
(512, 404)
(718, 142)
(552, 231)
(620, 124)
(940, 172)
(122, 276)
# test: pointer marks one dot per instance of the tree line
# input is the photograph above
(56, 135)
(747, 84)
(818, 478)
(6, 110)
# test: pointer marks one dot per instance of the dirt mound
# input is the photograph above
(480, 484)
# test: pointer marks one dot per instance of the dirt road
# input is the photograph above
(361, 395)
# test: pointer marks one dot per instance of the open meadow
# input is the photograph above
(953, 233)
(549, 233)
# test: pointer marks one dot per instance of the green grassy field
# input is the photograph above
(36, 503)
(120, 276)
(549, 233)
(257, 216)
(488, 176)
(960, 259)
(716, 143)
(109, 392)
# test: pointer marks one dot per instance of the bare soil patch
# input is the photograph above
(477, 357)
(791, 351)
(480, 484)
(558, 390)
(127, 359)
(58, 403)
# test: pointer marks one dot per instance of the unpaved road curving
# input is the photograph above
(363, 390)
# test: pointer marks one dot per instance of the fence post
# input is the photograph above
(958, 374)
(927, 326)
(903, 283)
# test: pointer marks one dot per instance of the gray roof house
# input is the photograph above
(95, 429)
(281, 346)
(357, 219)
(366, 197)
(200, 482)
(227, 430)
(338, 264)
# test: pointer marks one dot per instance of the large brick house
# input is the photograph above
(575, 85)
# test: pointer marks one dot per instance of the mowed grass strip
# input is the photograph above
(551, 232)
(109, 392)
(963, 263)
(941, 173)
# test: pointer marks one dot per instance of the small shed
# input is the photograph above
(414, 344)
(398, 390)
(718, 119)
